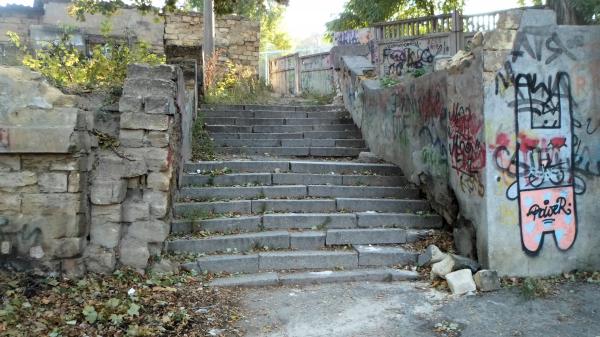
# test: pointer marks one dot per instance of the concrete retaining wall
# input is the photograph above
(506, 138)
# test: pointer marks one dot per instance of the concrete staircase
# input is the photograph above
(303, 216)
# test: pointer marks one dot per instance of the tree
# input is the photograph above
(572, 12)
(79, 8)
(364, 13)
(268, 12)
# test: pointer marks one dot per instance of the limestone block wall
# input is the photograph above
(130, 191)
(505, 138)
(87, 189)
(237, 37)
(44, 164)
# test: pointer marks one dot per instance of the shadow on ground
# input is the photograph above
(415, 310)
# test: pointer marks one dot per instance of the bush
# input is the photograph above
(68, 68)
(229, 83)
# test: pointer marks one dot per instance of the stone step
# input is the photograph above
(218, 225)
(231, 243)
(343, 168)
(322, 205)
(275, 114)
(277, 151)
(274, 121)
(294, 151)
(291, 179)
(362, 191)
(316, 239)
(228, 179)
(318, 259)
(232, 134)
(348, 134)
(312, 167)
(299, 191)
(251, 166)
(370, 255)
(226, 142)
(315, 277)
(261, 107)
(366, 236)
(401, 220)
(217, 135)
(361, 256)
(381, 205)
(252, 192)
(282, 128)
(294, 206)
(306, 221)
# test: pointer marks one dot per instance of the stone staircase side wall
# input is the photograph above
(522, 167)
(78, 193)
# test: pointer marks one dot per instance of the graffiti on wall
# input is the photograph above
(350, 37)
(543, 162)
(467, 152)
(420, 115)
(401, 58)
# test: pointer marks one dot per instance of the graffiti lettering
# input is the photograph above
(532, 41)
(467, 153)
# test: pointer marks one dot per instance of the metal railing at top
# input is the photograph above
(445, 23)
(414, 27)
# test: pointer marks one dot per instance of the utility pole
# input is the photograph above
(208, 43)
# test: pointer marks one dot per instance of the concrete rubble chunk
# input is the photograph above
(452, 263)
(487, 280)
(461, 282)
(461, 262)
(431, 255)
(442, 268)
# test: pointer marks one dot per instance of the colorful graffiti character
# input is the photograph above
(545, 185)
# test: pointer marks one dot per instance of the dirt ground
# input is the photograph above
(414, 309)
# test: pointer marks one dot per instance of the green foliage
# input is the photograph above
(364, 13)
(236, 85)
(67, 67)
(419, 72)
(534, 288)
(571, 11)
(387, 81)
(316, 98)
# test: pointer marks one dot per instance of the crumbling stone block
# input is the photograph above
(461, 281)
(53, 182)
(487, 280)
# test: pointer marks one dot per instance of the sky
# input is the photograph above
(308, 17)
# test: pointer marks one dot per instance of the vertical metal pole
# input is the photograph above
(208, 43)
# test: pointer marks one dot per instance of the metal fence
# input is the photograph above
(394, 45)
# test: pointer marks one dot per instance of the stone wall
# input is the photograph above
(86, 188)
(237, 37)
(176, 35)
(503, 139)
(44, 164)
(15, 19)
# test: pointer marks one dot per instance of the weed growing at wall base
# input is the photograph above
(66, 67)
(229, 83)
